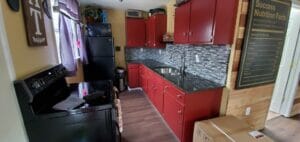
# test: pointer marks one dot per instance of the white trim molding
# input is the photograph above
(5, 45)
(11, 119)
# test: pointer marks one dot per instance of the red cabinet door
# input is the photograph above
(182, 24)
(141, 74)
(150, 31)
(151, 87)
(225, 21)
(133, 75)
(158, 92)
(173, 113)
(160, 30)
(159, 97)
(202, 21)
(156, 27)
(144, 83)
(135, 32)
(143, 78)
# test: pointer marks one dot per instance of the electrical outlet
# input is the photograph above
(159, 51)
(248, 111)
(197, 58)
(142, 49)
(118, 48)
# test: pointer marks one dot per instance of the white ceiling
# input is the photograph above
(126, 4)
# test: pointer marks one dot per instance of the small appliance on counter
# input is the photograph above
(157, 11)
(168, 38)
(131, 13)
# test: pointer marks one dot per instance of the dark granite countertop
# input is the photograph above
(189, 83)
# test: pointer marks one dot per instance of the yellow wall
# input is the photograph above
(117, 20)
(171, 16)
(27, 59)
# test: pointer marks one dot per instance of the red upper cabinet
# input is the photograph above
(202, 21)
(150, 28)
(181, 27)
(156, 28)
(136, 32)
(205, 22)
(225, 21)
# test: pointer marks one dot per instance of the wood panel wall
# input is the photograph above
(235, 101)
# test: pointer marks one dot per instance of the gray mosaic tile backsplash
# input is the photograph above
(209, 62)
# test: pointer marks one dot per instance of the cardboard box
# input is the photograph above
(226, 129)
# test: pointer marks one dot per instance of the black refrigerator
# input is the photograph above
(100, 52)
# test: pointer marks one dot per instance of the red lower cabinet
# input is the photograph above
(143, 78)
(173, 114)
(158, 92)
(199, 106)
(133, 75)
(159, 98)
(179, 109)
(151, 89)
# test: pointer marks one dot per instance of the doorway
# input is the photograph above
(284, 116)
(287, 82)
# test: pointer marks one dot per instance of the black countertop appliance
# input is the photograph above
(39, 95)
(100, 51)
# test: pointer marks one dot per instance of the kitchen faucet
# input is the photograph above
(182, 67)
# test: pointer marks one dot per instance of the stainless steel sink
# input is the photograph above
(168, 71)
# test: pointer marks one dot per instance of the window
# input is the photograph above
(55, 20)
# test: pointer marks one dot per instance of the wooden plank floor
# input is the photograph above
(283, 129)
(141, 122)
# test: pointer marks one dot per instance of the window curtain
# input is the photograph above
(81, 45)
(69, 14)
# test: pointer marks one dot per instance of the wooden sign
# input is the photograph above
(34, 22)
(263, 42)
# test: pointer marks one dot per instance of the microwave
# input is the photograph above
(134, 14)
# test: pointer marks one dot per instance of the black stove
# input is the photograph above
(94, 120)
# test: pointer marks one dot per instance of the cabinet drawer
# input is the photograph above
(175, 93)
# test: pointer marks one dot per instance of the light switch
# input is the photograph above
(248, 111)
